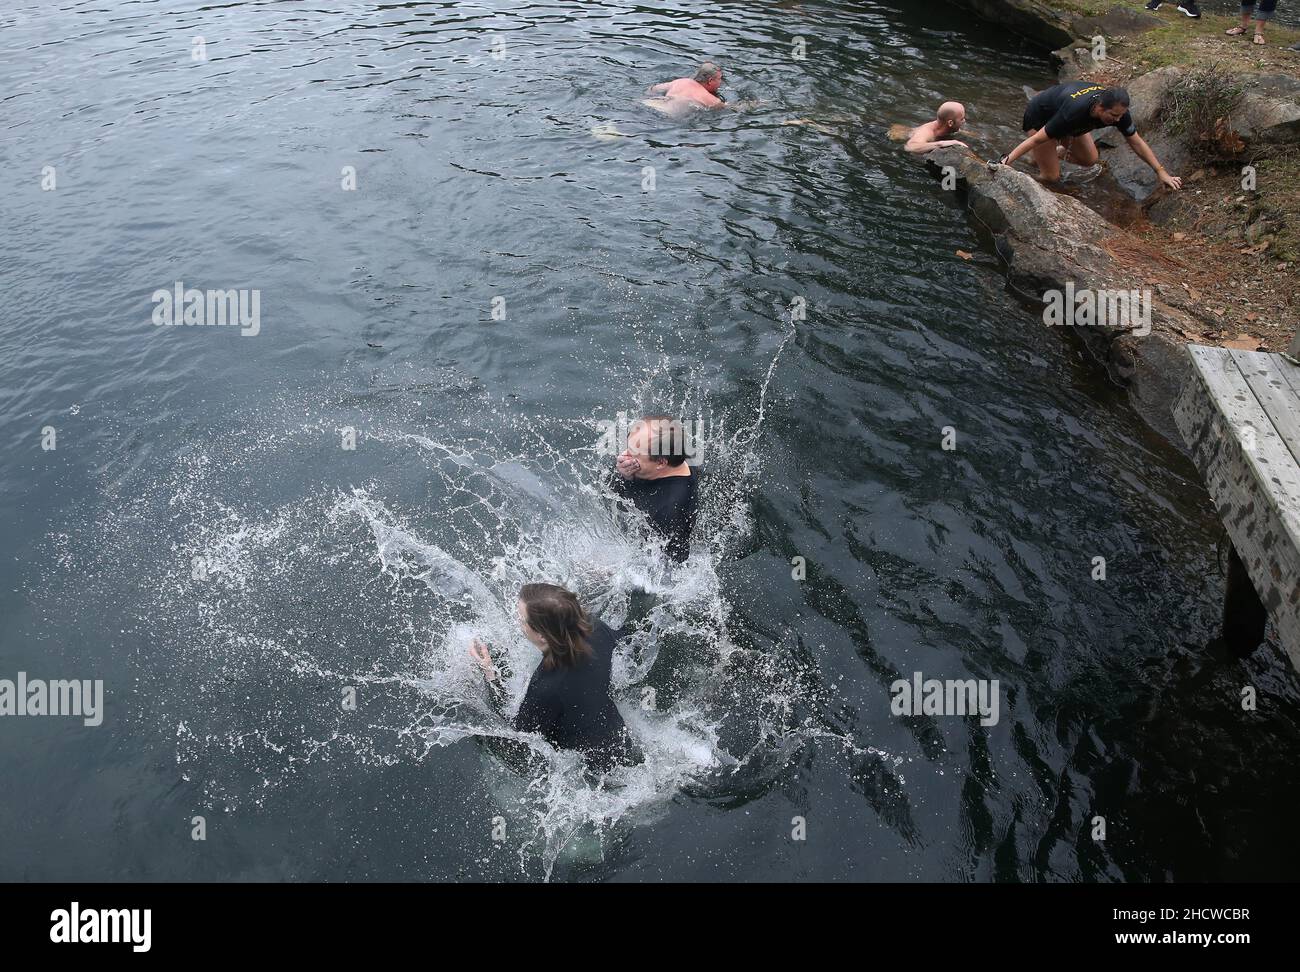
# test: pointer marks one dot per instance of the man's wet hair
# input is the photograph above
(1114, 96)
(667, 438)
(707, 72)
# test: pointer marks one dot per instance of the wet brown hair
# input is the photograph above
(556, 615)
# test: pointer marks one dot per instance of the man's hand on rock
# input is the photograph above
(1172, 181)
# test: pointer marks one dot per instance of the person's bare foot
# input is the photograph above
(1235, 31)
(1259, 39)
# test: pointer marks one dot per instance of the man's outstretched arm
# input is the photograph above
(919, 143)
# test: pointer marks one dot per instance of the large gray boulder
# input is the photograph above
(1074, 62)
(1270, 111)
(1034, 19)
(1134, 176)
(1148, 93)
(1052, 242)
(1053, 27)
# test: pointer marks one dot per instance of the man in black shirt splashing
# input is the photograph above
(1066, 115)
(653, 474)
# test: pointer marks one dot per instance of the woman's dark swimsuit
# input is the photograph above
(572, 709)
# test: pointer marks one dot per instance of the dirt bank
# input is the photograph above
(1220, 260)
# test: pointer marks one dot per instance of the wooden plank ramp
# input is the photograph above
(1240, 417)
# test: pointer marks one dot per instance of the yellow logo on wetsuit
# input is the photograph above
(1084, 91)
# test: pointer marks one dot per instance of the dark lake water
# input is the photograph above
(200, 540)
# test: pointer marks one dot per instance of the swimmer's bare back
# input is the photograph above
(688, 89)
(680, 97)
(672, 107)
(678, 107)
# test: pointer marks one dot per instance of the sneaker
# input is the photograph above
(1153, 5)
(1190, 9)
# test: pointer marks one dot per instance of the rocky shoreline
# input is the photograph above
(1216, 258)
(1053, 242)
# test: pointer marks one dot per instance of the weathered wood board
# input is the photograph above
(1240, 417)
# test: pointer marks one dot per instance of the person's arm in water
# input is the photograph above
(536, 712)
(1143, 151)
(658, 88)
(512, 752)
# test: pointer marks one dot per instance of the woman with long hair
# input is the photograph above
(568, 699)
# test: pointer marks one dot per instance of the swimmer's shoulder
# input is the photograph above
(603, 639)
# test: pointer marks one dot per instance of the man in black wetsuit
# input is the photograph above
(1066, 115)
(652, 472)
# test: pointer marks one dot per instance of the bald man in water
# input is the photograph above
(932, 135)
(686, 94)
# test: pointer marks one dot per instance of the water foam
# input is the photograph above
(379, 586)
